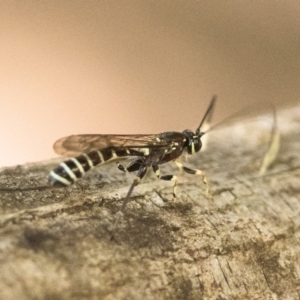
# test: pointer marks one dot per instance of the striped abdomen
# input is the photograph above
(69, 171)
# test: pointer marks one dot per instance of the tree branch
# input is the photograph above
(243, 243)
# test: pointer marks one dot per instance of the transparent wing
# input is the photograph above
(76, 144)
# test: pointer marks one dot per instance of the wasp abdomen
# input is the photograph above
(71, 170)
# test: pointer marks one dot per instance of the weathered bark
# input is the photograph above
(242, 243)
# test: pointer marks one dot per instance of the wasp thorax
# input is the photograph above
(193, 142)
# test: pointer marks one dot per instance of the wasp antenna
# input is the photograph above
(208, 114)
(248, 111)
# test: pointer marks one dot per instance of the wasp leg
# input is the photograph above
(166, 177)
(121, 167)
(141, 173)
(133, 166)
(196, 172)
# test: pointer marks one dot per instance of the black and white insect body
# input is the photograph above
(71, 170)
(149, 150)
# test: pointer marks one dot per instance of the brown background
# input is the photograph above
(69, 67)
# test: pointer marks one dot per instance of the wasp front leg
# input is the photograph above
(195, 172)
(167, 178)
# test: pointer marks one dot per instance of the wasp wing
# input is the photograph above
(74, 145)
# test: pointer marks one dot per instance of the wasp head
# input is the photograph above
(193, 142)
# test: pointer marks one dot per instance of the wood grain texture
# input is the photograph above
(241, 244)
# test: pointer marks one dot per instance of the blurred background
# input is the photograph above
(71, 67)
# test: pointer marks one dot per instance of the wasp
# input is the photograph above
(149, 150)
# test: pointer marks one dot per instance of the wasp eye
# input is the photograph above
(195, 145)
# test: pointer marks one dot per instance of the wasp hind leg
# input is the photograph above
(133, 166)
(121, 167)
(196, 172)
(141, 173)
(167, 178)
